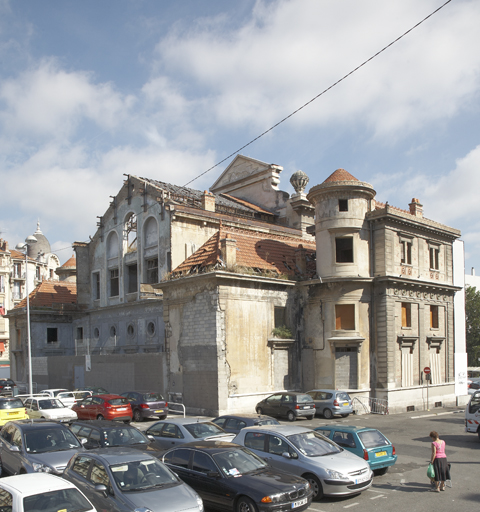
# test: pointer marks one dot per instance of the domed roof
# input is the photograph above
(340, 175)
(42, 245)
(71, 263)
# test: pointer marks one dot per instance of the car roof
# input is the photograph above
(103, 424)
(327, 391)
(118, 455)
(345, 428)
(246, 416)
(209, 446)
(107, 396)
(185, 421)
(35, 424)
(286, 430)
(34, 483)
(55, 389)
(8, 398)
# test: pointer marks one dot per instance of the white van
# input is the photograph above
(472, 415)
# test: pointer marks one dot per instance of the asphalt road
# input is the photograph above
(406, 485)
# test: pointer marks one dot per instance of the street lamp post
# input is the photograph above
(30, 240)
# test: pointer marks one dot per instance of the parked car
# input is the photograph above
(472, 415)
(124, 480)
(66, 397)
(31, 446)
(81, 395)
(96, 390)
(12, 408)
(368, 443)
(40, 491)
(290, 405)
(233, 423)
(48, 408)
(331, 470)
(231, 477)
(6, 386)
(175, 431)
(473, 385)
(331, 402)
(100, 407)
(146, 404)
(103, 434)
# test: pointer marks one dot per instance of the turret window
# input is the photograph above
(344, 249)
(345, 317)
(343, 205)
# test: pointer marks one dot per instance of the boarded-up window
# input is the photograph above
(344, 249)
(345, 317)
(407, 367)
(279, 317)
(406, 314)
(132, 278)
(434, 317)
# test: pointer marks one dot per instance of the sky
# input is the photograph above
(93, 90)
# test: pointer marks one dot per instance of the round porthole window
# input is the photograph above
(151, 329)
(113, 331)
(96, 333)
(130, 330)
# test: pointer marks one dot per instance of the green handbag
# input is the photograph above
(430, 471)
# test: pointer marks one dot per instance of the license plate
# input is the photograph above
(345, 404)
(363, 478)
(380, 454)
(161, 410)
(122, 409)
(307, 406)
(296, 504)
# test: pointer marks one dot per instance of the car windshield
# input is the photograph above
(118, 401)
(11, 404)
(50, 440)
(343, 397)
(57, 391)
(53, 403)
(142, 475)
(238, 462)
(313, 444)
(303, 398)
(152, 397)
(123, 436)
(373, 438)
(53, 501)
(201, 430)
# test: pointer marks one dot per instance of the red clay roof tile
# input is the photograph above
(48, 293)
(340, 175)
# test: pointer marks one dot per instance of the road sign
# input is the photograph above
(426, 369)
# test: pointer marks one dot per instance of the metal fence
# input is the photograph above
(367, 405)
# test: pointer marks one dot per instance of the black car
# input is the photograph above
(230, 477)
(146, 404)
(6, 386)
(234, 423)
(291, 405)
(107, 434)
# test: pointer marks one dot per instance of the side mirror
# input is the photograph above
(101, 488)
(84, 440)
(213, 474)
(150, 437)
(289, 455)
(14, 448)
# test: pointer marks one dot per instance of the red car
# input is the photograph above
(104, 407)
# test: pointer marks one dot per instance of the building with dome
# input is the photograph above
(223, 297)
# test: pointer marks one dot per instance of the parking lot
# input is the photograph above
(406, 486)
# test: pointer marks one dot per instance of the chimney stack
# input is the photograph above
(416, 208)
(228, 248)
(208, 201)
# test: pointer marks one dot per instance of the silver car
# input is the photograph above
(36, 446)
(175, 431)
(126, 480)
(331, 402)
(331, 470)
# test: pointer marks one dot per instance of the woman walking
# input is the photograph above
(439, 461)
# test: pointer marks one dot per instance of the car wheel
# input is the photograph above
(327, 414)
(315, 485)
(100, 417)
(344, 415)
(245, 504)
(290, 416)
(380, 471)
(311, 417)
(137, 415)
(162, 417)
(259, 410)
(23, 472)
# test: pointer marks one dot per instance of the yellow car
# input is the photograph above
(12, 408)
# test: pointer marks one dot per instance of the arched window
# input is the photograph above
(150, 232)
(130, 232)
(112, 245)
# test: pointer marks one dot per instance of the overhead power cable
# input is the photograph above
(320, 94)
